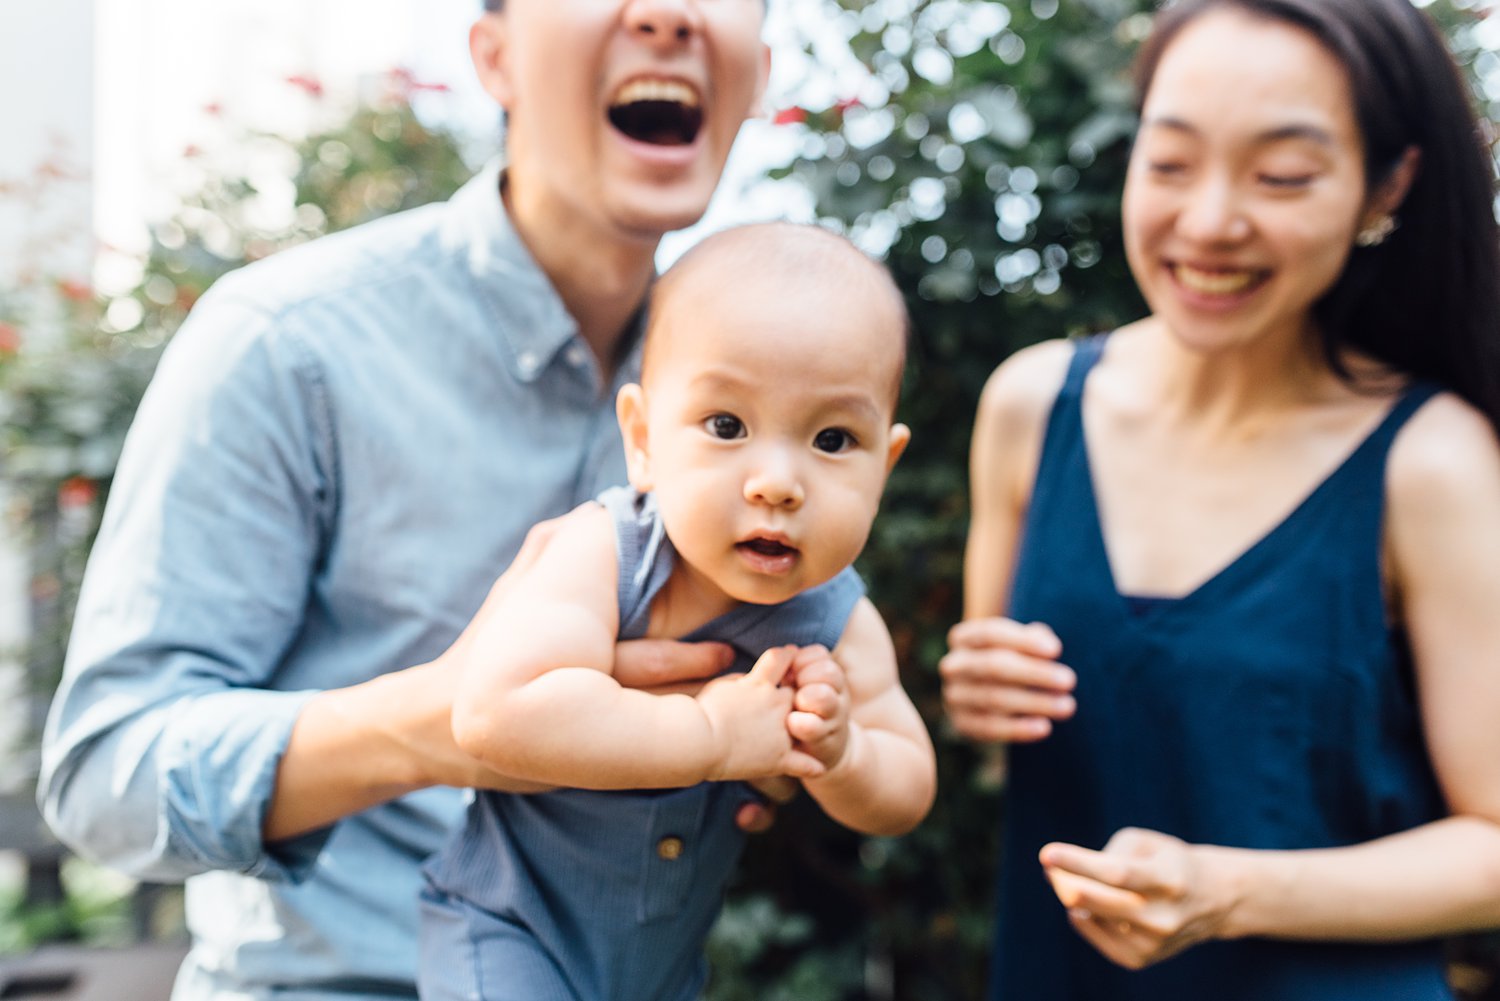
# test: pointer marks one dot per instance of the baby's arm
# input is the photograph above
(547, 708)
(882, 774)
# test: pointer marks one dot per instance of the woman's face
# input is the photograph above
(1246, 185)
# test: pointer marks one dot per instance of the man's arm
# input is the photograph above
(161, 747)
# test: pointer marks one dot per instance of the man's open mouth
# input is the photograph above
(659, 112)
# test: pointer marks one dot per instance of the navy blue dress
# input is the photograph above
(1272, 707)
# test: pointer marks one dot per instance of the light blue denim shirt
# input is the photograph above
(344, 446)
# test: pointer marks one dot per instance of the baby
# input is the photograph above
(758, 443)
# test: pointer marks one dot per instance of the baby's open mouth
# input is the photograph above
(767, 547)
(659, 112)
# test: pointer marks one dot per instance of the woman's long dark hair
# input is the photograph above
(1427, 300)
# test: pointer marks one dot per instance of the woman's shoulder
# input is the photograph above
(1445, 454)
(1019, 394)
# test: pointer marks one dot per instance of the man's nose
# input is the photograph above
(664, 23)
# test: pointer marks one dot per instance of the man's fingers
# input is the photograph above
(1032, 638)
(648, 663)
(776, 788)
(753, 817)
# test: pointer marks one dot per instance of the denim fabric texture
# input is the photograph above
(343, 447)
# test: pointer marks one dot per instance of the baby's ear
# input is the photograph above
(900, 438)
(630, 411)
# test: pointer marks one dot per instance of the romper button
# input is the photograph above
(670, 848)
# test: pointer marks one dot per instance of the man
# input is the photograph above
(342, 446)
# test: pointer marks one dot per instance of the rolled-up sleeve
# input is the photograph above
(161, 748)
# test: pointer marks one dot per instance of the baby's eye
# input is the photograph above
(725, 426)
(833, 440)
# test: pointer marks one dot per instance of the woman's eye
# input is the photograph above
(1286, 182)
(833, 440)
(725, 426)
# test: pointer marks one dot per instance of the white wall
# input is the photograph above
(46, 75)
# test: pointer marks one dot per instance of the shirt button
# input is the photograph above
(578, 355)
(528, 362)
(670, 848)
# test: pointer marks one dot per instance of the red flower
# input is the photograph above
(846, 104)
(10, 339)
(74, 290)
(77, 492)
(406, 82)
(306, 84)
(790, 116)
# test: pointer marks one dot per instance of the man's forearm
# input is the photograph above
(354, 748)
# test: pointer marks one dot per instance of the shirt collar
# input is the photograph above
(530, 317)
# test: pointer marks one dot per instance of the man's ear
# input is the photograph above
(630, 411)
(489, 47)
(900, 438)
(757, 107)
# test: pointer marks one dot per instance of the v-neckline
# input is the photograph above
(1136, 604)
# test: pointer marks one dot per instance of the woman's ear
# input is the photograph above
(1386, 197)
(630, 411)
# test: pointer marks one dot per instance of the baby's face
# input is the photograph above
(769, 435)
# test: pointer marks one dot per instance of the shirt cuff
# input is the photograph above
(218, 768)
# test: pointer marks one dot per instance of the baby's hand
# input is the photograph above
(819, 720)
(748, 714)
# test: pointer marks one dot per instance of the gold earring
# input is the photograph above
(1376, 232)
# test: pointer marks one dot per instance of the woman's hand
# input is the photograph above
(1002, 681)
(1145, 897)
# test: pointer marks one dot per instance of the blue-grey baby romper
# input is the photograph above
(1272, 707)
(577, 895)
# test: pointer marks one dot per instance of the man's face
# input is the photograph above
(621, 113)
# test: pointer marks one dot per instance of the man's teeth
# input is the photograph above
(674, 91)
(1214, 282)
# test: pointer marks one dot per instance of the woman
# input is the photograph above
(1255, 539)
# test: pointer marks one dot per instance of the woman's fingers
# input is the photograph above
(1032, 638)
(1000, 665)
(988, 728)
(1109, 870)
